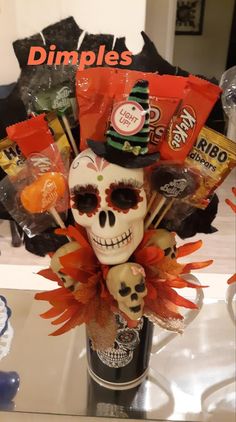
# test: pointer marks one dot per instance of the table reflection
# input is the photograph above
(191, 379)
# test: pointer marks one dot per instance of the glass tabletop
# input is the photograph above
(191, 379)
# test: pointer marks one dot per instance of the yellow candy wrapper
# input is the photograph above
(213, 156)
(11, 157)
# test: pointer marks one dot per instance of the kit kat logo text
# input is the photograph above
(183, 128)
(39, 55)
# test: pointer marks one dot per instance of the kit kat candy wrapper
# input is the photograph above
(197, 103)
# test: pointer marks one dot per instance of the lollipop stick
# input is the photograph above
(166, 209)
(154, 212)
(70, 136)
(151, 201)
(57, 217)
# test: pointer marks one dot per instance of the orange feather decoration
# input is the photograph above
(91, 301)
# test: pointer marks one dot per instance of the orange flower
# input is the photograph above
(230, 203)
(232, 279)
(164, 275)
(89, 301)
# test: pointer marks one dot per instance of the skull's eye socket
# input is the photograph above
(86, 202)
(123, 197)
(124, 290)
(85, 199)
(140, 287)
(167, 251)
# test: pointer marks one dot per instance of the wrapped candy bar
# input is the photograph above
(31, 137)
(214, 156)
(190, 100)
(36, 135)
(11, 157)
(198, 100)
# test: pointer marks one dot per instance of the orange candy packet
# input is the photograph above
(34, 136)
(98, 89)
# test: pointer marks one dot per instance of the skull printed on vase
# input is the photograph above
(126, 283)
(122, 351)
(110, 202)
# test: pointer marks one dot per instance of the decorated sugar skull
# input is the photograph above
(106, 181)
(56, 265)
(126, 283)
(110, 202)
(164, 240)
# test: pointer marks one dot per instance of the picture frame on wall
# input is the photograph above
(189, 17)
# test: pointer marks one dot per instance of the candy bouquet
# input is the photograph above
(146, 163)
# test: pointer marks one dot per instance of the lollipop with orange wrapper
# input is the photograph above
(35, 192)
(37, 196)
(43, 194)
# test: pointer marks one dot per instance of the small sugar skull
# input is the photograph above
(110, 202)
(56, 265)
(126, 283)
(164, 240)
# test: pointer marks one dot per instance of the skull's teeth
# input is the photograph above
(113, 243)
(115, 358)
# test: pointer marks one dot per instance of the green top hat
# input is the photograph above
(127, 147)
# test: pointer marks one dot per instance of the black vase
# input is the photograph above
(102, 402)
(125, 365)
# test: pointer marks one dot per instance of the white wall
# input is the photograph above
(206, 54)
(22, 18)
(160, 25)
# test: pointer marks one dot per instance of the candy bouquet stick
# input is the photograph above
(57, 217)
(164, 212)
(154, 208)
(152, 199)
(70, 136)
